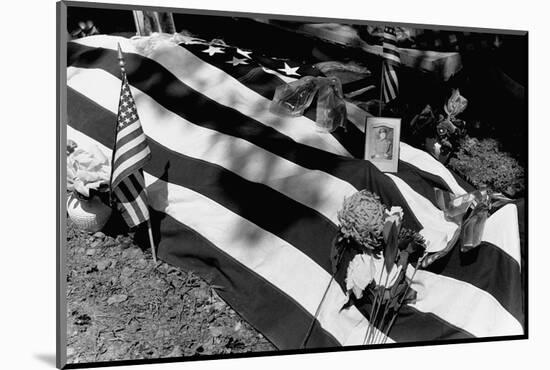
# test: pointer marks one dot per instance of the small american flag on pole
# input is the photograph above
(390, 53)
(130, 154)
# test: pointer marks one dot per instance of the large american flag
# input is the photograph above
(130, 155)
(390, 53)
(248, 199)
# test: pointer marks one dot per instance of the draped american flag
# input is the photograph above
(130, 155)
(248, 199)
(390, 53)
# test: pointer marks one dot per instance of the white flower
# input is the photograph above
(363, 269)
(87, 170)
(395, 214)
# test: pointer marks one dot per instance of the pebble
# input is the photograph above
(141, 264)
(70, 351)
(216, 332)
(95, 244)
(90, 252)
(176, 352)
(110, 242)
(127, 271)
(103, 264)
(161, 333)
(99, 235)
(117, 298)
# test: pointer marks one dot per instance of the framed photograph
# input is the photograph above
(197, 222)
(382, 142)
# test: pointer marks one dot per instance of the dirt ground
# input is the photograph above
(120, 306)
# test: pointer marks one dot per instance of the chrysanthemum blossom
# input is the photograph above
(362, 219)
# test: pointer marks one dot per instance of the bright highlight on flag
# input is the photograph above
(130, 154)
(390, 53)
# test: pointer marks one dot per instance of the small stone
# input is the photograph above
(141, 264)
(161, 333)
(176, 352)
(70, 351)
(109, 242)
(103, 264)
(113, 264)
(95, 244)
(81, 250)
(238, 326)
(90, 252)
(219, 306)
(216, 331)
(117, 298)
(125, 245)
(99, 235)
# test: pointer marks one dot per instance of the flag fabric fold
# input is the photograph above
(248, 199)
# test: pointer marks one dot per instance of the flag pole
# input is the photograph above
(151, 240)
(122, 74)
(381, 87)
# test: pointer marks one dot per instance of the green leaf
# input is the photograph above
(403, 259)
(391, 249)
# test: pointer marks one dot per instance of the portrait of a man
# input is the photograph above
(383, 143)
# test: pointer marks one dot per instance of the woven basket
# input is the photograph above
(89, 215)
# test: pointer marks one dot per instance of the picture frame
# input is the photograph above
(382, 138)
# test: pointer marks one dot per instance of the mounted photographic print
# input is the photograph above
(382, 142)
(222, 196)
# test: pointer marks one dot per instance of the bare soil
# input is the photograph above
(120, 306)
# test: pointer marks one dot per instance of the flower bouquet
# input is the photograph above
(88, 176)
(380, 252)
(441, 132)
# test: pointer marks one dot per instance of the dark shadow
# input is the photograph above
(159, 191)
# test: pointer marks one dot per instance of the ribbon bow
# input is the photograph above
(295, 97)
(470, 212)
(454, 106)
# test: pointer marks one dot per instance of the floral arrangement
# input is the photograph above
(382, 251)
(88, 173)
(442, 131)
(484, 164)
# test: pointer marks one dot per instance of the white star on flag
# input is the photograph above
(245, 54)
(213, 50)
(289, 70)
(236, 61)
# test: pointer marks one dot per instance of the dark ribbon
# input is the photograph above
(295, 97)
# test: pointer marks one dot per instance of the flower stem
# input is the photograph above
(312, 324)
(378, 300)
(386, 311)
(387, 331)
(371, 316)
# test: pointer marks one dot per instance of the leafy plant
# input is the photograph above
(484, 165)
